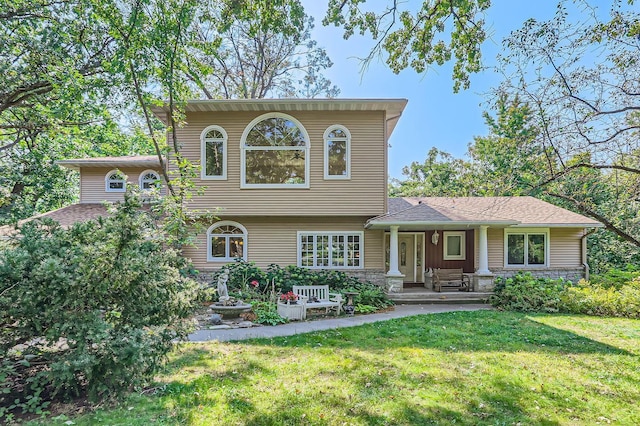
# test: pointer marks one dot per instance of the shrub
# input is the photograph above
(602, 300)
(616, 277)
(267, 313)
(277, 279)
(526, 293)
(91, 310)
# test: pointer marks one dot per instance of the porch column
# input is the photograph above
(393, 252)
(483, 255)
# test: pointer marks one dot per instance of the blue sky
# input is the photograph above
(435, 116)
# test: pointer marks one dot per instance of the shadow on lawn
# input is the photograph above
(483, 331)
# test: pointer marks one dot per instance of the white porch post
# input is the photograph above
(393, 252)
(483, 261)
(394, 277)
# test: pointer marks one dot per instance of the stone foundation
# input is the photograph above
(571, 274)
(394, 283)
(376, 276)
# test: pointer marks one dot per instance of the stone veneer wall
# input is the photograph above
(376, 276)
(572, 274)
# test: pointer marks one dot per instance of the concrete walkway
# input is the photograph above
(298, 327)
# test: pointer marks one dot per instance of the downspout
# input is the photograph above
(584, 252)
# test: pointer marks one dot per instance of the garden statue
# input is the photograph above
(223, 293)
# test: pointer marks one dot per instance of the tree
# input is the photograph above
(251, 61)
(582, 82)
(441, 175)
(419, 40)
(91, 310)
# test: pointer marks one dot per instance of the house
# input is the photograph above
(304, 182)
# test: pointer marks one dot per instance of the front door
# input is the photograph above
(407, 257)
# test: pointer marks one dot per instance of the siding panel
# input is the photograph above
(92, 184)
(565, 247)
(274, 240)
(363, 194)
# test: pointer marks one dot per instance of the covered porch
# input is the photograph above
(421, 241)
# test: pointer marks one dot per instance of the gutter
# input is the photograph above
(583, 248)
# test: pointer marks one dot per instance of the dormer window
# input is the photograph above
(213, 154)
(337, 153)
(149, 179)
(115, 181)
(275, 153)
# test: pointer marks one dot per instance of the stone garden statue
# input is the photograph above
(223, 293)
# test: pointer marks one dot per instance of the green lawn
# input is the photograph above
(482, 367)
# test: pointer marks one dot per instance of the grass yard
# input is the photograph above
(471, 368)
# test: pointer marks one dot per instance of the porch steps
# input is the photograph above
(410, 296)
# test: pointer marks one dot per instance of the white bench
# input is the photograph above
(318, 296)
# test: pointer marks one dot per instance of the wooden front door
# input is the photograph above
(407, 257)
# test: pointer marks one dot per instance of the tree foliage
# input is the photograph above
(439, 31)
(89, 310)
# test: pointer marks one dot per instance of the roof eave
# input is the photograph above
(384, 224)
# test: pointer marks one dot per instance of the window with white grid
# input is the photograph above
(331, 250)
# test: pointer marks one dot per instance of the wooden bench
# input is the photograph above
(318, 296)
(452, 278)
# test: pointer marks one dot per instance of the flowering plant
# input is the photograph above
(254, 283)
(289, 297)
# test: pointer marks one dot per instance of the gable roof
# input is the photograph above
(392, 107)
(466, 211)
(148, 161)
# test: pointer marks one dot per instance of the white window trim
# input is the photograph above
(108, 176)
(463, 246)
(325, 137)
(210, 257)
(203, 154)
(360, 234)
(140, 178)
(244, 149)
(526, 231)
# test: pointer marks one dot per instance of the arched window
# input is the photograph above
(275, 153)
(226, 241)
(149, 179)
(213, 153)
(337, 153)
(115, 181)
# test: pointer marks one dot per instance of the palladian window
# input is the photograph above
(226, 241)
(115, 181)
(337, 153)
(213, 153)
(275, 153)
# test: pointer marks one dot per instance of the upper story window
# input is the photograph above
(337, 153)
(454, 245)
(275, 153)
(213, 153)
(115, 181)
(226, 241)
(149, 179)
(526, 247)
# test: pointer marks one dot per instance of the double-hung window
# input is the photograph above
(331, 250)
(526, 247)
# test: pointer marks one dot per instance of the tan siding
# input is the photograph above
(363, 194)
(495, 242)
(92, 184)
(564, 250)
(274, 239)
